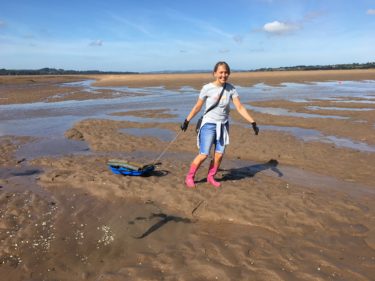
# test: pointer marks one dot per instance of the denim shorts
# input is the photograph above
(207, 138)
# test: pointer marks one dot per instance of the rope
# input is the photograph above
(165, 150)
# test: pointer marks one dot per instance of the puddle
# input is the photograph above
(286, 112)
(355, 101)
(314, 135)
(342, 142)
(313, 107)
(87, 85)
(21, 179)
(51, 147)
(37, 126)
(162, 134)
(319, 90)
(188, 89)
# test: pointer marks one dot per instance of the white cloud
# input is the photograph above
(238, 38)
(224, 51)
(277, 27)
(313, 15)
(257, 50)
(96, 43)
(370, 12)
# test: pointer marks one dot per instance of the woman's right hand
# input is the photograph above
(184, 125)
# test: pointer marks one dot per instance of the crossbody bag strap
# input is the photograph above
(218, 100)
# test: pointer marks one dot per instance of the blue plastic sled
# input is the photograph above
(121, 167)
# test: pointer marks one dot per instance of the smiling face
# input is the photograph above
(221, 74)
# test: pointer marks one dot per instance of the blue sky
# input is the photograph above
(158, 35)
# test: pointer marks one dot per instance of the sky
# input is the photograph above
(173, 35)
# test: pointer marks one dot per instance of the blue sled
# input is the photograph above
(118, 170)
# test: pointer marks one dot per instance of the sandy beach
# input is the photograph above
(296, 201)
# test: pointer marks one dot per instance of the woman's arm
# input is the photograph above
(242, 110)
(245, 114)
(196, 108)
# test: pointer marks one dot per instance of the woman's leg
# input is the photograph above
(198, 160)
(214, 166)
(217, 158)
(215, 163)
(206, 139)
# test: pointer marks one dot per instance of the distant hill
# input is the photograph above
(54, 71)
(367, 65)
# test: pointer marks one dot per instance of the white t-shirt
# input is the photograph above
(210, 93)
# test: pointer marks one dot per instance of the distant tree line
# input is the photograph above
(54, 71)
(367, 65)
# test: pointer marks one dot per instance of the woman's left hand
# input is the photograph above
(255, 128)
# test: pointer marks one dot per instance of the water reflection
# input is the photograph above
(313, 107)
(56, 146)
(355, 101)
(286, 112)
(162, 134)
(315, 135)
(317, 91)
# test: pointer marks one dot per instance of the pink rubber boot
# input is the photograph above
(189, 180)
(211, 173)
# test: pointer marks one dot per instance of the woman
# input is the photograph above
(215, 126)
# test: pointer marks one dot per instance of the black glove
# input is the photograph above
(184, 125)
(255, 128)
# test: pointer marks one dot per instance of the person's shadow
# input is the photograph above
(250, 171)
(164, 220)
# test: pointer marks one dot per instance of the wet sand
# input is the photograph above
(288, 209)
(23, 89)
